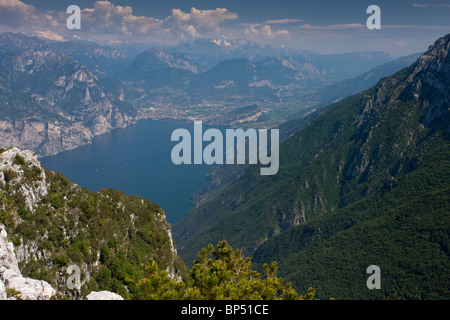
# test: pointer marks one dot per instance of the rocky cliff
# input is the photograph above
(55, 224)
(50, 102)
(373, 169)
(12, 279)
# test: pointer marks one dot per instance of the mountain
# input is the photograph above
(156, 59)
(156, 75)
(18, 42)
(156, 84)
(159, 79)
(364, 183)
(51, 103)
(54, 224)
(164, 84)
(274, 73)
(210, 52)
(337, 67)
(102, 60)
(346, 88)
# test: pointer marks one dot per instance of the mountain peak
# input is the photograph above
(437, 57)
(156, 59)
(16, 42)
(50, 35)
(430, 82)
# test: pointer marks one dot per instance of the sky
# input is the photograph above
(325, 26)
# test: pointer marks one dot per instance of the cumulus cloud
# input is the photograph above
(115, 22)
(197, 22)
(14, 12)
(106, 17)
(261, 32)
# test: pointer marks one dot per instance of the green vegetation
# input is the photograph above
(408, 240)
(13, 293)
(218, 274)
(366, 182)
(122, 245)
(109, 235)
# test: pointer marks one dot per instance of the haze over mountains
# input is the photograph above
(362, 181)
(91, 89)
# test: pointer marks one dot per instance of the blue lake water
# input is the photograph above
(136, 160)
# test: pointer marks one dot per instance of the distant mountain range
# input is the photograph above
(159, 78)
(51, 103)
(364, 182)
(57, 95)
(346, 88)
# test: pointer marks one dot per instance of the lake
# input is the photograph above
(136, 160)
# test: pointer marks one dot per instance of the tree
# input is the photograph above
(218, 274)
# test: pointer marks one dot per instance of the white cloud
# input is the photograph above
(14, 12)
(109, 22)
(261, 32)
(332, 26)
(431, 5)
(196, 22)
(283, 21)
(109, 18)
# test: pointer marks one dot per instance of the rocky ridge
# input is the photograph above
(360, 146)
(53, 224)
(50, 103)
(11, 278)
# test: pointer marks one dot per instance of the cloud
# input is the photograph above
(191, 24)
(283, 21)
(260, 32)
(109, 22)
(332, 26)
(14, 12)
(109, 18)
(431, 5)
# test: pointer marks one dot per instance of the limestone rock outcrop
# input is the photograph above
(103, 295)
(11, 278)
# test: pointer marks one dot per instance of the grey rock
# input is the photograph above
(53, 103)
(3, 295)
(11, 277)
(32, 191)
(103, 295)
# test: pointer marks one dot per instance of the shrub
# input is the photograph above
(19, 160)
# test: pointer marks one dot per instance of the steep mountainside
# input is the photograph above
(53, 224)
(369, 155)
(163, 84)
(346, 88)
(50, 102)
(103, 61)
(209, 53)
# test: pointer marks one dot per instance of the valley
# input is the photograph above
(362, 177)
